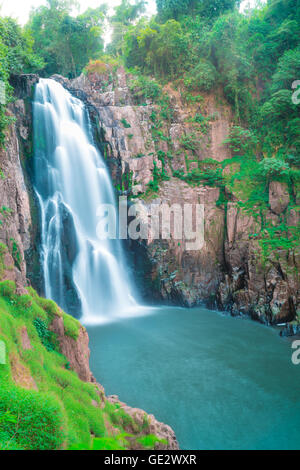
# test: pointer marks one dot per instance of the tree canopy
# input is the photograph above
(66, 42)
(207, 8)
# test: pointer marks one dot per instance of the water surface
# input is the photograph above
(220, 382)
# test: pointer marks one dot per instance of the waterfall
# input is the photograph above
(81, 272)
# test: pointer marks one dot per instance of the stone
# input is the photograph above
(278, 197)
(76, 351)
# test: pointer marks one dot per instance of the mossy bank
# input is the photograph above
(43, 403)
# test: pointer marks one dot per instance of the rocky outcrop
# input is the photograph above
(23, 85)
(165, 434)
(278, 197)
(75, 350)
(229, 271)
(15, 214)
(19, 219)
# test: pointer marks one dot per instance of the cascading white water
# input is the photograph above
(71, 181)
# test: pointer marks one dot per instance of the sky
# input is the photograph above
(20, 9)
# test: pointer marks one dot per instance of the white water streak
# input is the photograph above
(71, 178)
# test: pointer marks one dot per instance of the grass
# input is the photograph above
(54, 409)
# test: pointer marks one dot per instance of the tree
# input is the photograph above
(208, 8)
(66, 42)
(124, 16)
(126, 13)
(16, 56)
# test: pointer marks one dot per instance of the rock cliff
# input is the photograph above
(19, 238)
(149, 143)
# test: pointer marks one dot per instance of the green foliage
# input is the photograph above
(157, 49)
(16, 56)
(29, 420)
(189, 142)
(149, 441)
(66, 43)
(105, 443)
(207, 8)
(273, 168)
(250, 61)
(145, 88)
(16, 48)
(47, 305)
(125, 123)
(124, 16)
(63, 411)
(46, 336)
(206, 177)
(71, 326)
(202, 77)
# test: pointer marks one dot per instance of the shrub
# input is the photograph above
(97, 66)
(15, 251)
(24, 301)
(7, 289)
(29, 419)
(71, 326)
(49, 306)
(274, 167)
(189, 142)
(145, 88)
(149, 441)
(202, 77)
(125, 123)
(46, 336)
(3, 251)
(104, 443)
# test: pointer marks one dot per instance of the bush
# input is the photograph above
(274, 167)
(49, 306)
(97, 66)
(24, 301)
(46, 336)
(7, 289)
(149, 441)
(30, 420)
(202, 77)
(144, 88)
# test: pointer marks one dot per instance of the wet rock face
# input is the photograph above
(228, 271)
